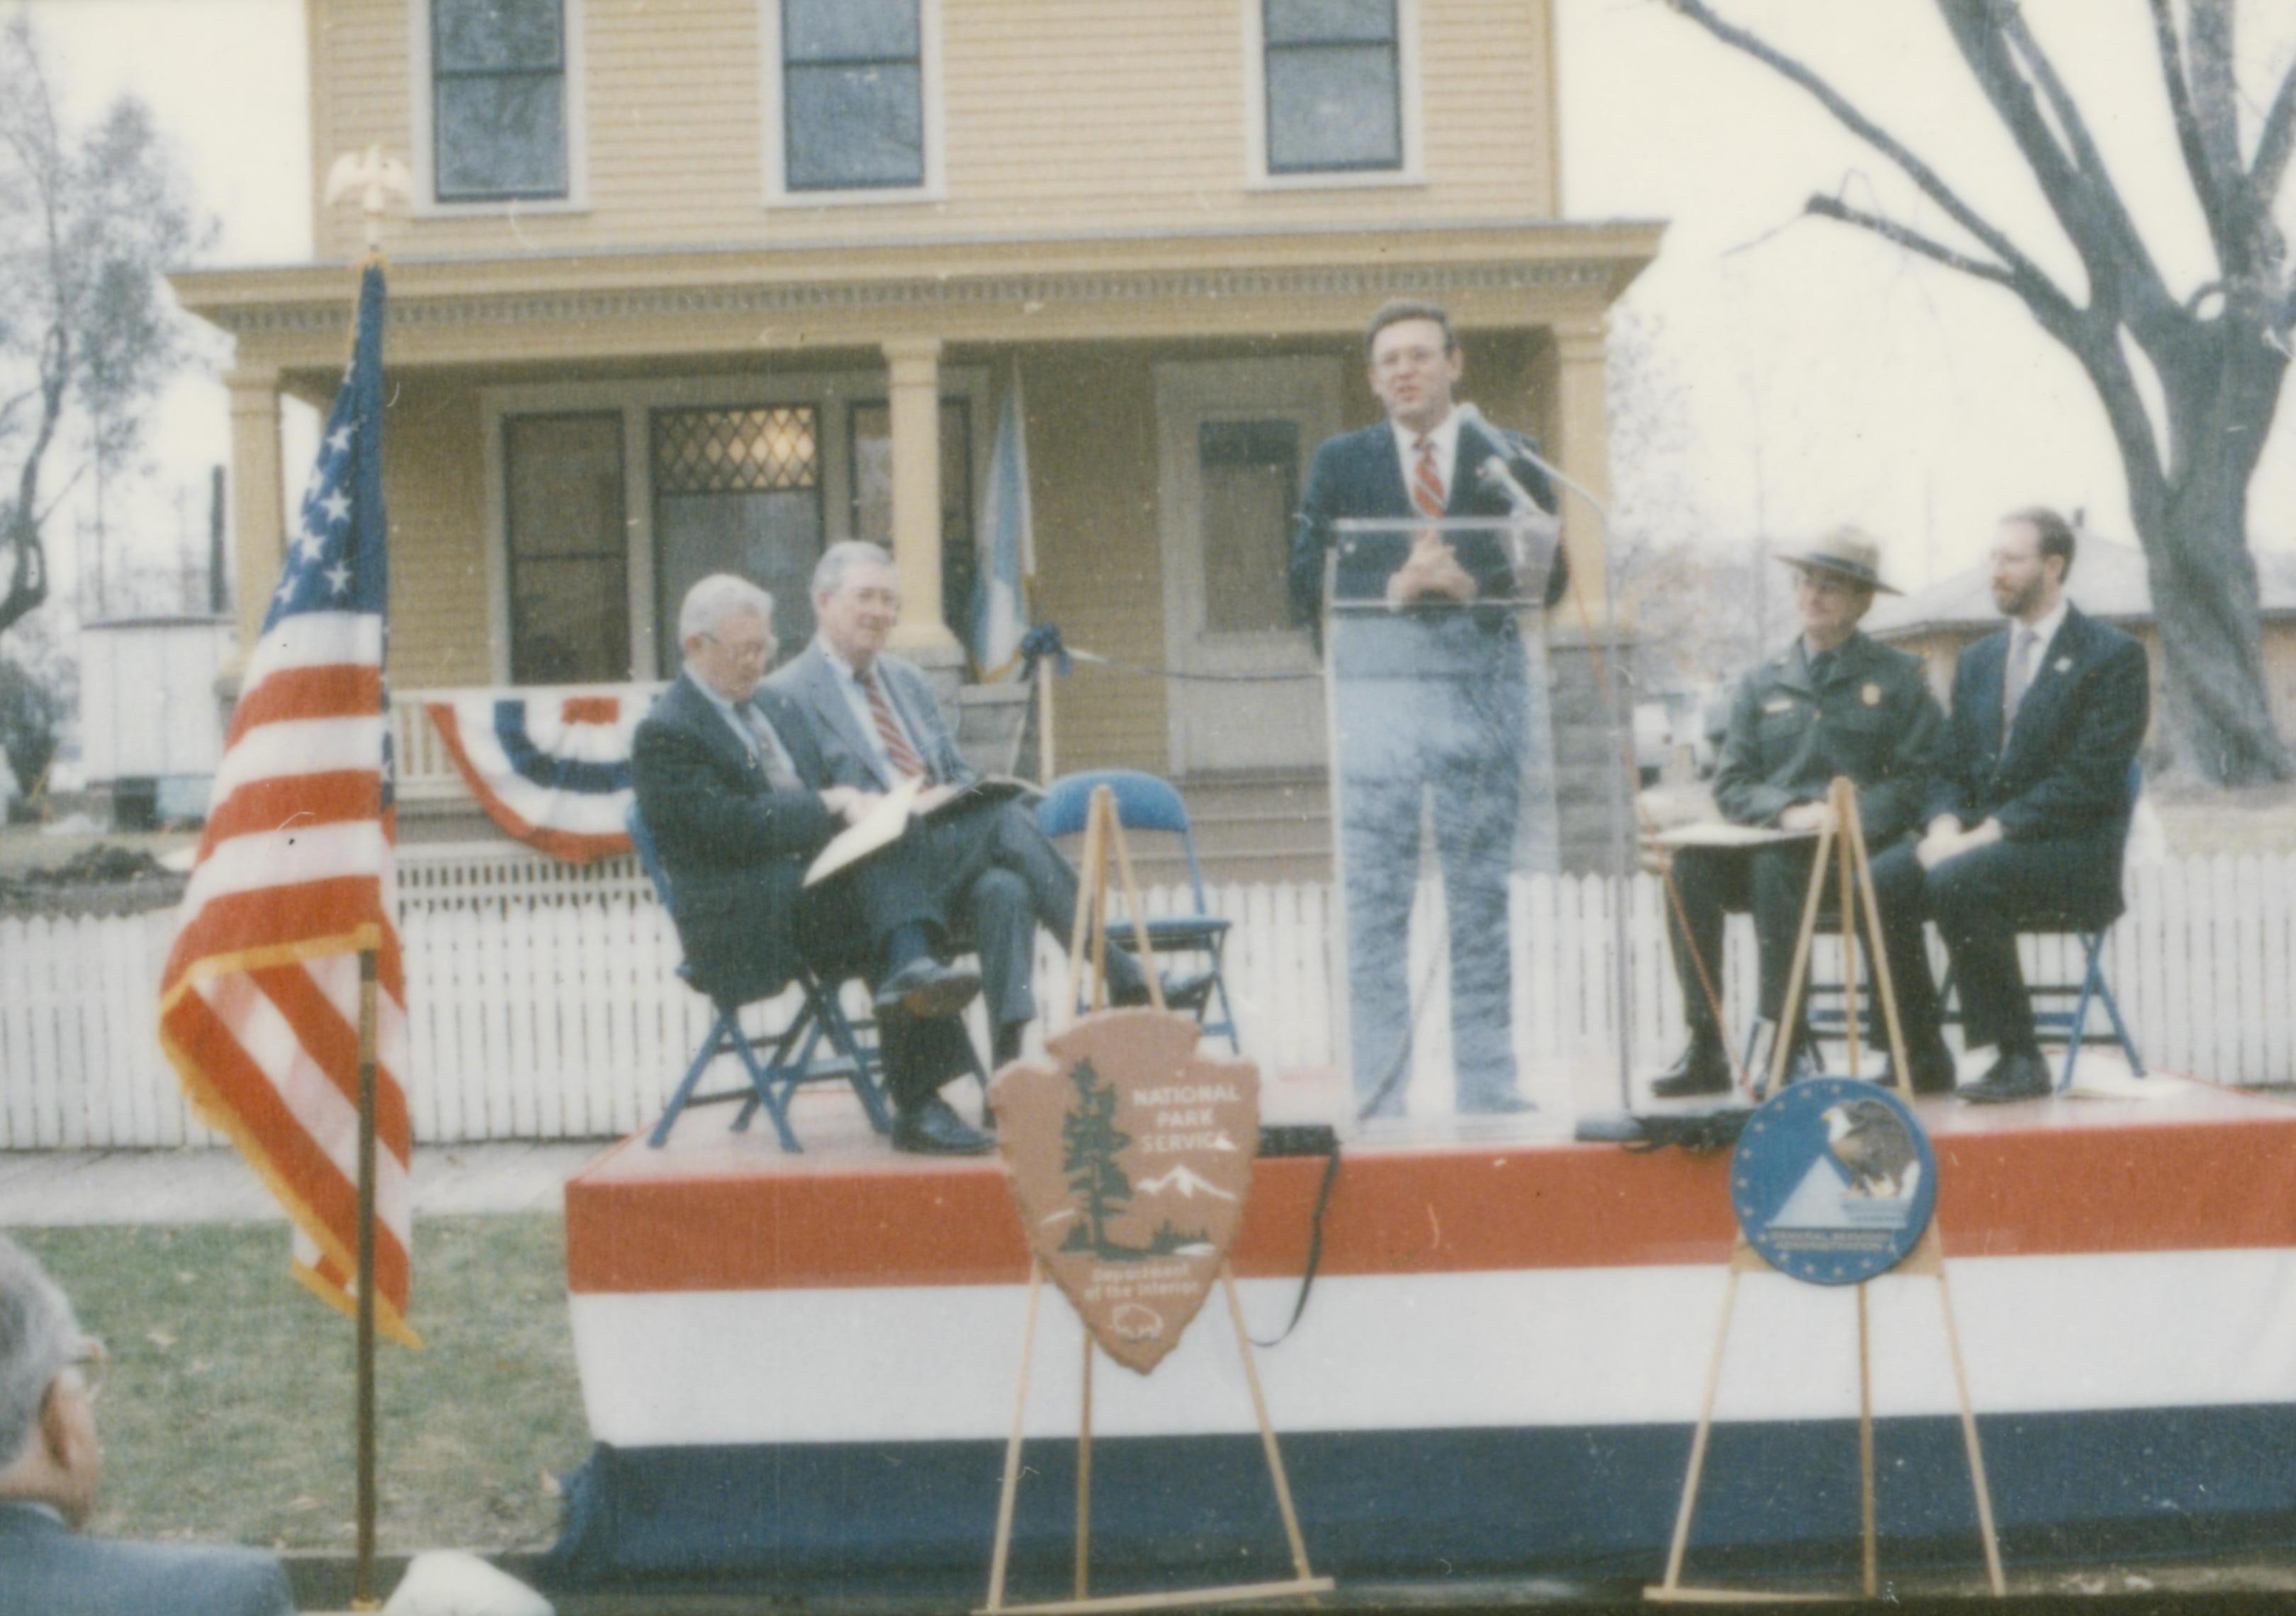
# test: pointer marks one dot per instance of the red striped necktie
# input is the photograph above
(898, 752)
(1427, 480)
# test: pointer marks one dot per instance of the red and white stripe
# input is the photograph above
(259, 1005)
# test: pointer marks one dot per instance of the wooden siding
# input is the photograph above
(1059, 118)
(434, 483)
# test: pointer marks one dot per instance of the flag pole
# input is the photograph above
(363, 1577)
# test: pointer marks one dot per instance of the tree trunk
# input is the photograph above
(2205, 600)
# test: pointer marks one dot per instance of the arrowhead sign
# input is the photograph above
(1130, 1155)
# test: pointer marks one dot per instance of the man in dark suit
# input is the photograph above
(1434, 700)
(50, 1461)
(738, 800)
(2029, 817)
(875, 722)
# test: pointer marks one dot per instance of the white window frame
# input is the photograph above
(931, 114)
(423, 134)
(829, 393)
(1409, 110)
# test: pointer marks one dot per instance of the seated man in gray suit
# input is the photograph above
(876, 724)
(49, 1461)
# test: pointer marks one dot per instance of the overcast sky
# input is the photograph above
(1820, 376)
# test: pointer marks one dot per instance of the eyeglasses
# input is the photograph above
(93, 1361)
(757, 651)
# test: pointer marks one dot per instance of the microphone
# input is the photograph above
(1494, 471)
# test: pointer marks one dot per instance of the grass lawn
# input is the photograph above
(227, 1415)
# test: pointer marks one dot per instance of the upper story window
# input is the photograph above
(853, 94)
(1334, 86)
(499, 99)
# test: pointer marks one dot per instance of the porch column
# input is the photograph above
(258, 515)
(1583, 447)
(913, 407)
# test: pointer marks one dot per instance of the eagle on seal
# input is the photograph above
(1870, 1143)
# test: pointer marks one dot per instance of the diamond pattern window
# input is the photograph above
(737, 490)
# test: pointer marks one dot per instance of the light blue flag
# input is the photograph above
(1000, 596)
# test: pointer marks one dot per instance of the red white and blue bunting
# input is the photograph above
(554, 771)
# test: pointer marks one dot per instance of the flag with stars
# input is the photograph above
(259, 1007)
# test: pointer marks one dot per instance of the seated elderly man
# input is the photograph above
(49, 1463)
(876, 723)
(1833, 703)
(738, 801)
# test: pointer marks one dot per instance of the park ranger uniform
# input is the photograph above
(1864, 710)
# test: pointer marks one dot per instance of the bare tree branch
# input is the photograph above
(1932, 185)
(2272, 144)
(2187, 124)
(1992, 36)
(1912, 240)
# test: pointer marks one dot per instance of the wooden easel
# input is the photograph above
(1102, 836)
(1843, 839)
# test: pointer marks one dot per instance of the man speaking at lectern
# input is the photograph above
(1433, 701)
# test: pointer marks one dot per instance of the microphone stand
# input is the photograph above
(1495, 474)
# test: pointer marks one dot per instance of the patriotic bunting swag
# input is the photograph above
(555, 772)
(259, 1007)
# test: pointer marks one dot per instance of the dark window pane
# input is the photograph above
(842, 30)
(502, 137)
(1333, 107)
(569, 622)
(1250, 472)
(854, 127)
(569, 549)
(469, 35)
(1326, 22)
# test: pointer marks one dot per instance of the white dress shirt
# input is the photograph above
(1446, 436)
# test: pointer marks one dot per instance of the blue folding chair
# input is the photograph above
(1145, 802)
(819, 1018)
(2089, 921)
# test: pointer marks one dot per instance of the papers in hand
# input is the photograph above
(880, 827)
(1714, 833)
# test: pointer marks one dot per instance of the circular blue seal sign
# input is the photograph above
(1833, 1181)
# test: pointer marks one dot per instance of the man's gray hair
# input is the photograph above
(716, 598)
(38, 1336)
(840, 558)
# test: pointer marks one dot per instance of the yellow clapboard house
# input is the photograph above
(696, 284)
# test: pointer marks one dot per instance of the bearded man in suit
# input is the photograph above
(738, 800)
(1435, 704)
(50, 1461)
(2029, 816)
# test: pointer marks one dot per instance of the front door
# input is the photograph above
(1234, 437)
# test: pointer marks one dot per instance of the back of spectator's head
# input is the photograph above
(39, 1338)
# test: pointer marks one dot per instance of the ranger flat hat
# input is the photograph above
(1846, 553)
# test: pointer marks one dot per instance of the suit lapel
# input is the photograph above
(828, 695)
(1992, 659)
(1389, 494)
(699, 714)
(2046, 691)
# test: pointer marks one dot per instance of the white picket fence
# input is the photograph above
(544, 1003)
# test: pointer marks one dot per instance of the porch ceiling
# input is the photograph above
(618, 306)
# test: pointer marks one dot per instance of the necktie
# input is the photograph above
(2021, 675)
(898, 752)
(1427, 480)
(1821, 666)
(766, 747)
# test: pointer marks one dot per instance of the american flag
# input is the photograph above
(259, 1008)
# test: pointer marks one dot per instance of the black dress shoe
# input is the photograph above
(933, 1130)
(1702, 1069)
(2013, 1077)
(1932, 1069)
(927, 990)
